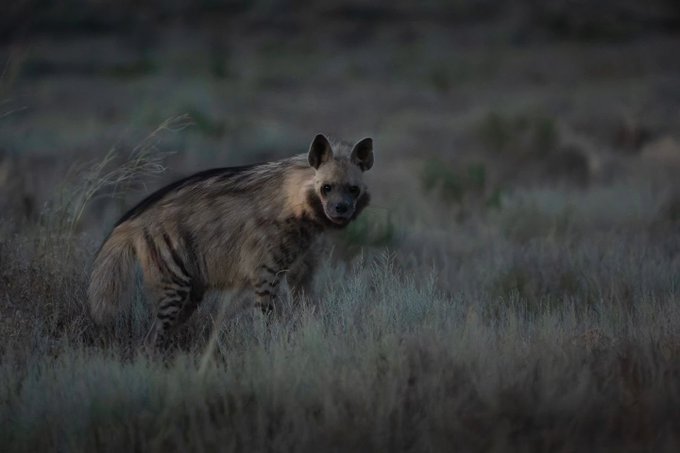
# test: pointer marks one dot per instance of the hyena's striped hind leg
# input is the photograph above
(174, 305)
(173, 284)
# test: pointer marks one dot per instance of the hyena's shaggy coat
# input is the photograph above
(239, 228)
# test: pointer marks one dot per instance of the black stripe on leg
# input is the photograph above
(167, 316)
(151, 245)
(174, 299)
(269, 269)
(176, 292)
(173, 280)
(192, 258)
(270, 283)
(267, 309)
(175, 256)
(169, 305)
(160, 262)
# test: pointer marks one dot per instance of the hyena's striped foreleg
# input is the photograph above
(265, 284)
(292, 258)
(300, 277)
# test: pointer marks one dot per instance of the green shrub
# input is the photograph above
(438, 177)
(519, 136)
(452, 185)
(440, 77)
(374, 227)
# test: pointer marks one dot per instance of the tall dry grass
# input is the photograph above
(548, 323)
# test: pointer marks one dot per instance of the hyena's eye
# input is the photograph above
(354, 190)
(326, 188)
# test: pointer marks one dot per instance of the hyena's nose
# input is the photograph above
(341, 208)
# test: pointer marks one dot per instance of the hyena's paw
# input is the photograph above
(159, 340)
(267, 309)
(271, 311)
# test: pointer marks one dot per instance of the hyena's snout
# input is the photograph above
(340, 210)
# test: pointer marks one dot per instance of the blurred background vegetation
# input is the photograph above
(466, 99)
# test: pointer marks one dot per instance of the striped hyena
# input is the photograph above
(239, 228)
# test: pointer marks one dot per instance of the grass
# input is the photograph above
(556, 338)
(384, 361)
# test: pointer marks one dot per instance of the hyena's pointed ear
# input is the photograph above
(320, 151)
(362, 154)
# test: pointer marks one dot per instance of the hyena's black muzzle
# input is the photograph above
(340, 209)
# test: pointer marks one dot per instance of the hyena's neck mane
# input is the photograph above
(283, 190)
(287, 187)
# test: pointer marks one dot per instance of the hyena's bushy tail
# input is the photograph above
(112, 277)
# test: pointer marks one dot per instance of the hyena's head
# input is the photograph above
(339, 189)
